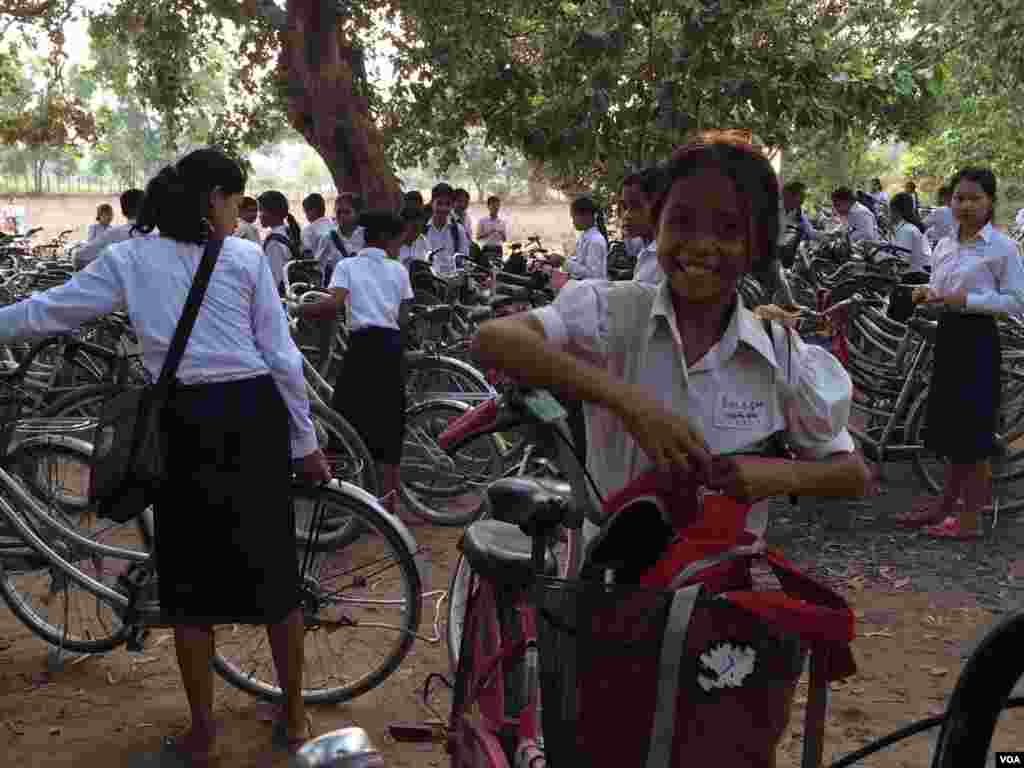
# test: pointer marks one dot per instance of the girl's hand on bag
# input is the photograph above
(668, 438)
(313, 469)
(749, 479)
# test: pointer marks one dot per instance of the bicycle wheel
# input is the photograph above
(84, 402)
(56, 598)
(346, 452)
(361, 604)
(430, 377)
(444, 489)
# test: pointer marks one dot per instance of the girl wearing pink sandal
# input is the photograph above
(977, 274)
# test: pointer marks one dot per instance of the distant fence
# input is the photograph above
(60, 185)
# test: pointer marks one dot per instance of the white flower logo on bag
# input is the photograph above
(730, 664)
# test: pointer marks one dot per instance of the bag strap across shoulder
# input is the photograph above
(188, 315)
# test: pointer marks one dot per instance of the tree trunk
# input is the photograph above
(537, 183)
(38, 166)
(323, 74)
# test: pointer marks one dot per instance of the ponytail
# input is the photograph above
(294, 231)
(177, 200)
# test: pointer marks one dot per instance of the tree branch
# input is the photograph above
(20, 9)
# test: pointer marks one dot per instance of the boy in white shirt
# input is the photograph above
(315, 208)
(104, 215)
(859, 222)
(460, 210)
(414, 244)
(590, 262)
(448, 237)
(492, 231)
(131, 206)
(248, 212)
(639, 192)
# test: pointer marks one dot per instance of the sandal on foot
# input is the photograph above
(177, 747)
(950, 529)
(279, 736)
(923, 515)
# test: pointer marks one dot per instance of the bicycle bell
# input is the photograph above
(344, 748)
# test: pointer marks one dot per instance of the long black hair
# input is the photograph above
(985, 179)
(277, 203)
(177, 200)
(757, 187)
(902, 204)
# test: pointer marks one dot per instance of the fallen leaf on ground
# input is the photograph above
(55, 731)
(937, 671)
(879, 634)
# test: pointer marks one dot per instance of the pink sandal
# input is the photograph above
(950, 529)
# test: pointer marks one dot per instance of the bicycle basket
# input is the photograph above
(601, 667)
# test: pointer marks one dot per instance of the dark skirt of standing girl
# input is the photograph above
(963, 402)
(370, 392)
(225, 527)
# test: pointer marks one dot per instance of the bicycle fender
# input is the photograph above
(370, 500)
(454, 362)
(75, 444)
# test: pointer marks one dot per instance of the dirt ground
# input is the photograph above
(57, 213)
(917, 621)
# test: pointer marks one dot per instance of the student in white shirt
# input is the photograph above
(940, 222)
(460, 210)
(414, 244)
(131, 204)
(104, 215)
(492, 230)
(225, 533)
(315, 209)
(660, 365)
(858, 222)
(444, 234)
(911, 189)
(976, 274)
(282, 244)
(346, 238)
(370, 392)
(639, 193)
(248, 214)
(908, 232)
(878, 193)
(591, 258)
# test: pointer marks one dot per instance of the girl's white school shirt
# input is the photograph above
(241, 331)
(906, 235)
(278, 254)
(988, 268)
(590, 261)
(376, 284)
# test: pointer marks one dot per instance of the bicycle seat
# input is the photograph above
(510, 513)
(528, 504)
(502, 553)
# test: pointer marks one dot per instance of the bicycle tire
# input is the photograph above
(429, 502)
(468, 380)
(367, 478)
(377, 527)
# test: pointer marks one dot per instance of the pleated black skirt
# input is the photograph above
(370, 392)
(225, 526)
(963, 402)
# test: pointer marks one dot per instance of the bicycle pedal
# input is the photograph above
(424, 731)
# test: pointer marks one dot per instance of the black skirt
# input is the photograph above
(370, 392)
(225, 527)
(963, 402)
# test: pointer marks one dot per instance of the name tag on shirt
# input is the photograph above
(740, 412)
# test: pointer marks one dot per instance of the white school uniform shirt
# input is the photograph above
(241, 330)
(647, 269)
(248, 231)
(861, 223)
(989, 268)
(376, 284)
(940, 223)
(881, 197)
(327, 253)
(491, 230)
(1020, 218)
(278, 254)
(906, 235)
(746, 388)
(96, 229)
(590, 262)
(445, 262)
(88, 252)
(311, 234)
(633, 246)
(415, 252)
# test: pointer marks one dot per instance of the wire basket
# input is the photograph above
(600, 649)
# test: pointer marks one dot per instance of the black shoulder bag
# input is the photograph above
(128, 465)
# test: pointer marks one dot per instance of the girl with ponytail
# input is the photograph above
(282, 244)
(236, 416)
